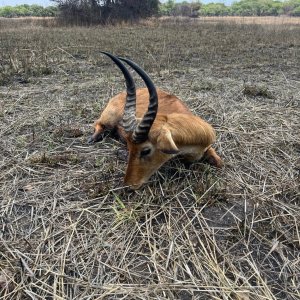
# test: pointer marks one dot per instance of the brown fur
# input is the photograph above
(175, 131)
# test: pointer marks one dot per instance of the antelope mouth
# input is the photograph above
(96, 137)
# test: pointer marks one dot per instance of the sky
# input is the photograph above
(18, 2)
(48, 2)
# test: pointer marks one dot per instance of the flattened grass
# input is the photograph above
(69, 230)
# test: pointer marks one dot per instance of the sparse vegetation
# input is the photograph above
(257, 90)
(68, 228)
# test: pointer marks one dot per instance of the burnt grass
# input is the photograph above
(68, 227)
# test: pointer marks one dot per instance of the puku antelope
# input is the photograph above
(156, 126)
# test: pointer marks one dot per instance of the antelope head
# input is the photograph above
(149, 142)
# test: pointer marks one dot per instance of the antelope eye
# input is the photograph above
(145, 152)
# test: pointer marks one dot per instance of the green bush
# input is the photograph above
(295, 12)
(256, 8)
(291, 7)
(184, 8)
(215, 9)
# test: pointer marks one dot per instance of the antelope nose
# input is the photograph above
(96, 137)
(91, 140)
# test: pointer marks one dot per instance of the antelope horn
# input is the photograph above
(129, 120)
(140, 133)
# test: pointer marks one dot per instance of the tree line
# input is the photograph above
(26, 10)
(88, 12)
(238, 8)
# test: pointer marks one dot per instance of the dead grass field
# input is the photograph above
(268, 20)
(21, 22)
(68, 229)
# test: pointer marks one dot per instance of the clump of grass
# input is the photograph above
(55, 160)
(28, 23)
(257, 91)
(204, 85)
(68, 131)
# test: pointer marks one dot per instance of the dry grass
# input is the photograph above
(268, 20)
(28, 22)
(33, 22)
(69, 230)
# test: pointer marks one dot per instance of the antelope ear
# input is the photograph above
(165, 142)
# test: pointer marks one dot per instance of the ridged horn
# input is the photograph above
(140, 134)
(129, 120)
